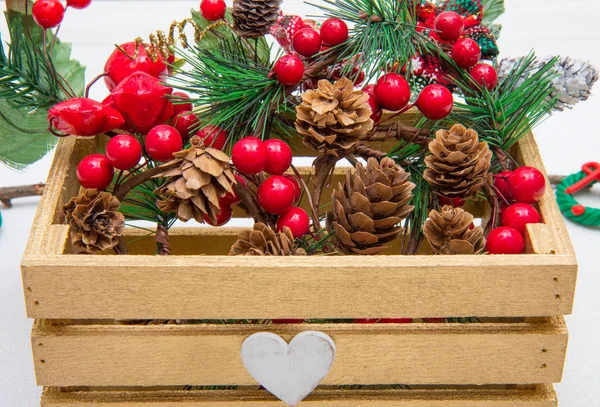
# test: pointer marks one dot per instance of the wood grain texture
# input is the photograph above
(195, 354)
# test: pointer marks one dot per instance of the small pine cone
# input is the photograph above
(264, 241)
(369, 206)
(193, 188)
(95, 220)
(333, 117)
(254, 18)
(458, 164)
(449, 232)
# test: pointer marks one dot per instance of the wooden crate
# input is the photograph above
(83, 357)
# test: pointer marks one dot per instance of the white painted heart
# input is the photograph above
(290, 372)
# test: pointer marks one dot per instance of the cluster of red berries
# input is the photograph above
(278, 193)
(50, 13)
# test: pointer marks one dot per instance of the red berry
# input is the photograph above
(519, 215)
(377, 113)
(466, 52)
(48, 13)
(276, 195)
(225, 214)
(526, 184)
(296, 219)
(454, 202)
(435, 102)
(505, 240)
(79, 4)
(231, 198)
(279, 157)
(249, 155)
(449, 26)
(213, 136)
(213, 10)
(501, 185)
(485, 75)
(289, 69)
(392, 91)
(184, 123)
(162, 141)
(334, 32)
(95, 172)
(124, 151)
(178, 106)
(119, 66)
(297, 190)
(307, 42)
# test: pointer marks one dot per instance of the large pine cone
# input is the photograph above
(333, 117)
(253, 18)
(449, 232)
(95, 220)
(264, 241)
(369, 206)
(194, 188)
(458, 164)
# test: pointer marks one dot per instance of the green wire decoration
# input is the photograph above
(569, 207)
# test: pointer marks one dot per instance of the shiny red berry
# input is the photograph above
(276, 194)
(485, 75)
(307, 42)
(213, 136)
(435, 102)
(334, 32)
(162, 141)
(48, 13)
(225, 214)
(184, 123)
(466, 52)
(449, 25)
(289, 69)
(124, 151)
(279, 157)
(297, 189)
(519, 215)
(119, 65)
(505, 240)
(178, 105)
(95, 172)
(527, 184)
(501, 186)
(249, 155)
(392, 91)
(296, 219)
(79, 4)
(454, 202)
(232, 198)
(213, 10)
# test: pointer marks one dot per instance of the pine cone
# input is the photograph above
(458, 164)
(369, 206)
(95, 220)
(264, 241)
(194, 187)
(449, 232)
(334, 117)
(254, 18)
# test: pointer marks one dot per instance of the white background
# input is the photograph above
(567, 140)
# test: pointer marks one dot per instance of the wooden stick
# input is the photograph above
(9, 193)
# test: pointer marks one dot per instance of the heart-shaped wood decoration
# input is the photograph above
(290, 372)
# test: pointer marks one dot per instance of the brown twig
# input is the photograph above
(400, 131)
(9, 193)
(92, 82)
(365, 151)
(324, 165)
(121, 247)
(134, 181)
(494, 221)
(163, 244)
(251, 205)
(313, 209)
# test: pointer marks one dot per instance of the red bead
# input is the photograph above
(454, 202)
(334, 32)
(435, 102)
(449, 26)
(505, 240)
(307, 42)
(178, 106)
(485, 75)
(48, 13)
(184, 123)
(124, 151)
(466, 52)
(225, 214)
(392, 92)
(276, 195)
(519, 215)
(279, 157)
(297, 189)
(79, 4)
(289, 69)
(119, 66)
(578, 210)
(213, 136)
(296, 219)
(213, 10)
(249, 155)
(95, 172)
(162, 141)
(501, 185)
(527, 184)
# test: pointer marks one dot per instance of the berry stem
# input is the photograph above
(122, 190)
(92, 82)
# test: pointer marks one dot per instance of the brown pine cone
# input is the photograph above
(264, 241)
(458, 164)
(95, 220)
(369, 206)
(449, 232)
(194, 188)
(253, 18)
(333, 117)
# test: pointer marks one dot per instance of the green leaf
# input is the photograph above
(492, 9)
